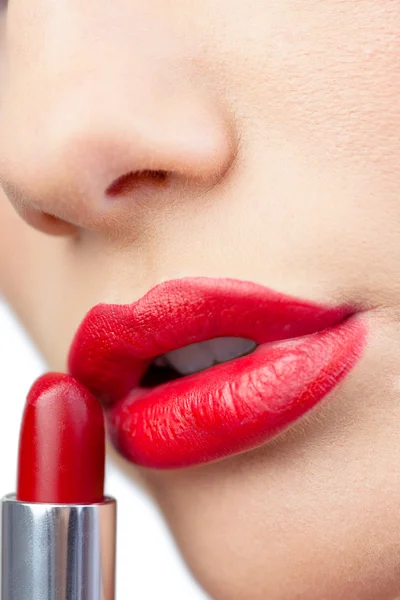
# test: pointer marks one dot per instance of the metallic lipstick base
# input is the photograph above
(57, 551)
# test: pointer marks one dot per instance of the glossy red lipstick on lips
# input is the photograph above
(58, 531)
(304, 350)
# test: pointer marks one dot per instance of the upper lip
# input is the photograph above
(115, 343)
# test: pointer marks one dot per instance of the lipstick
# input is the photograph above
(58, 530)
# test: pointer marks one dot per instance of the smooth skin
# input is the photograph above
(276, 125)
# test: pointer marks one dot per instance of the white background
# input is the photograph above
(148, 565)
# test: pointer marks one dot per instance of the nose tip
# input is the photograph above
(87, 155)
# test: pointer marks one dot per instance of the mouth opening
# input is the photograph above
(194, 358)
(158, 376)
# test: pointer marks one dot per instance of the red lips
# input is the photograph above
(228, 408)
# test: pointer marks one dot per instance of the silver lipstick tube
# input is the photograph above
(57, 551)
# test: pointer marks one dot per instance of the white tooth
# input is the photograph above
(190, 359)
(161, 361)
(228, 348)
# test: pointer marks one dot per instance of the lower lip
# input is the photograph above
(235, 406)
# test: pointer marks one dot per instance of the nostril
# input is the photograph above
(135, 179)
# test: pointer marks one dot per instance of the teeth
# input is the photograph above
(229, 348)
(190, 359)
(198, 357)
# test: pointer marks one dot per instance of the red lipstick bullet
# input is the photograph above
(58, 531)
(62, 449)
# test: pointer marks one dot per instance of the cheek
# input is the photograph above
(324, 73)
(343, 87)
(315, 87)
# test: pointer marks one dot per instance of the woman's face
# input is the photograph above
(276, 126)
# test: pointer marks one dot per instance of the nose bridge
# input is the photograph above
(107, 98)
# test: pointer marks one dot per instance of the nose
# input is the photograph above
(93, 122)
